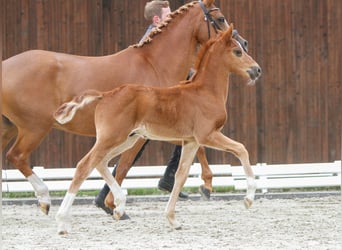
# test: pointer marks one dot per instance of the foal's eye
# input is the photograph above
(221, 19)
(238, 52)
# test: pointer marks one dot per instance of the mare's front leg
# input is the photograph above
(207, 174)
(189, 150)
(219, 141)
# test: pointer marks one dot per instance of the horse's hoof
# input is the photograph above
(63, 232)
(205, 192)
(248, 203)
(44, 207)
(100, 204)
(118, 216)
(125, 217)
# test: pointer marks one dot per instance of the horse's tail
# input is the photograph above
(67, 111)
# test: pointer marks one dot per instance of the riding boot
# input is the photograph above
(167, 181)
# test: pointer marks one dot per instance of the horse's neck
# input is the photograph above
(214, 79)
(171, 52)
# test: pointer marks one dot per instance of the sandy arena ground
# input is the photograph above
(306, 223)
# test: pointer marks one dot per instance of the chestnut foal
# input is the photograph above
(192, 112)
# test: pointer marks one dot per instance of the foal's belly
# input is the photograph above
(161, 133)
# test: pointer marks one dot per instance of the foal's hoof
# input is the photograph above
(44, 207)
(117, 216)
(175, 225)
(63, 232)
(205, 192)
(248, 202)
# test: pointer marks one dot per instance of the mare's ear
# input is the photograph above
(208, 3)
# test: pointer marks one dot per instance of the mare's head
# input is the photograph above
(226, 53)
(214, 23)
(203, 19)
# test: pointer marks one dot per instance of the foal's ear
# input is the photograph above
(228, 35)
(208, 3)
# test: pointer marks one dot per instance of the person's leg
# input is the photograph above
(167, 181)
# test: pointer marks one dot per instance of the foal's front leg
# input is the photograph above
(189, 150)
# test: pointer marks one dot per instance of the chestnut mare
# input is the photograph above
(192, 112)
(36, 83)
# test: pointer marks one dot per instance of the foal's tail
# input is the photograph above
(67, 111)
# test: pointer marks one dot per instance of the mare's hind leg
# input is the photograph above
(218, 141)
(125, 163)
(18, 154)
(9, 131)
(207, 175)
(189, 150)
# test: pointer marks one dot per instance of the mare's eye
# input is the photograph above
(238, 52)
(221, 19)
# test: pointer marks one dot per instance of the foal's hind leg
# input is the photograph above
(218, 141)
(189, 150)
(207, 175)
(98, 157)
(18, 154)
(125, 163)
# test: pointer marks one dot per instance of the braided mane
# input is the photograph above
(157, 30)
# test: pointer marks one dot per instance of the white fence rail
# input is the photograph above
(267, 177)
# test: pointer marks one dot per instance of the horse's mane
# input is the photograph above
(204, 48)
(157, 30)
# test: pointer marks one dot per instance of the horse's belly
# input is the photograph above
(160, 133)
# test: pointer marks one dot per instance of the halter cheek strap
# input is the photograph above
(208, 18)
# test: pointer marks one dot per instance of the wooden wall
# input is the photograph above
(292, 114)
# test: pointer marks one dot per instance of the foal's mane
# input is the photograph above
(203, 50)
(157, 30)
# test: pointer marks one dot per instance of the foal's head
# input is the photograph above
(226, 53)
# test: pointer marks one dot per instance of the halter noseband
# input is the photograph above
(208, 18)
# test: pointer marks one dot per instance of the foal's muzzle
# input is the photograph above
(254, 72)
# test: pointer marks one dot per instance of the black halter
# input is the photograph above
(208, 18)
